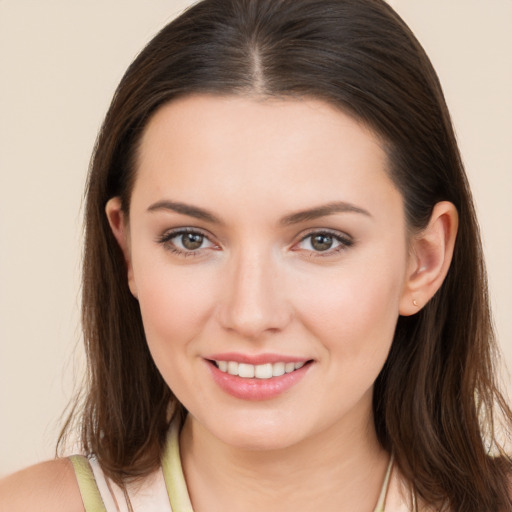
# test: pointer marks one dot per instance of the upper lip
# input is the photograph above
(257, 359)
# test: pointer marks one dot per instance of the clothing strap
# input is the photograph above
(91, 496)
(173, 472)
(382, 498)
(173, 476)
(177, 488)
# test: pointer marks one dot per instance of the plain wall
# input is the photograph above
(59, 64)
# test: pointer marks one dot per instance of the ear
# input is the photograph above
(429, 258)
(120, 229)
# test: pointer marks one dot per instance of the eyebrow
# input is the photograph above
(185, 209)
(323, 211)
(294, 218)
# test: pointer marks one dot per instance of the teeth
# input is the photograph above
(278, 369)
(260, 371)
(263, 371)
(289, 367)
(246, 370)
(233, 368)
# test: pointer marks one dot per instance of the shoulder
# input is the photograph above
(48, 486)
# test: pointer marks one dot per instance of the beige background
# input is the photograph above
(59, 64)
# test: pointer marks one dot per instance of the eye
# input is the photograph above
(190, 241)
(186, 241)
(324, 242)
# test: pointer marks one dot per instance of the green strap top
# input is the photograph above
(88, 489)
(173, 476)
(171, 468)
(173, 473)
(381, 503)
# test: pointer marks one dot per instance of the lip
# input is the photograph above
(256, 389)
(256, 359)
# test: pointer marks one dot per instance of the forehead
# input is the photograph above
(210, 148)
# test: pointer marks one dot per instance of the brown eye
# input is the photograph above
(186, 242)
(192, 241)
(324, 242)
(321, 242)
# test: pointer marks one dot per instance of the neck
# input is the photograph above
(340, 469)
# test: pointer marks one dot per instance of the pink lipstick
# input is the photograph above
(257, 377)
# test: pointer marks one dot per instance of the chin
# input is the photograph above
(261, 440)
(257, 431)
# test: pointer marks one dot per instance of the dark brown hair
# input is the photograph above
(435, 400)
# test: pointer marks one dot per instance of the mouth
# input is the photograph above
(257, 376)
(258, 371)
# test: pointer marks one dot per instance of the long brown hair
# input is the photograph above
(436, 400)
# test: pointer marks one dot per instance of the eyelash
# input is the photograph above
(166, 241)
(343, 240)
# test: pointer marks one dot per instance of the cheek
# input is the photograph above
(355, 311)
(175, 302)
(175, 305)
(355, 324)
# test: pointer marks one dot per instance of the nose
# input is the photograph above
(254, 301)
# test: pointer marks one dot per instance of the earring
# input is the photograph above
(415, 302)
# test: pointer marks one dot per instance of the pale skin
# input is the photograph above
(296, 245)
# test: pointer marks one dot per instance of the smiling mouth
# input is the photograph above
(258, 371)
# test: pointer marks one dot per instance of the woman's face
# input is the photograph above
(266, 238)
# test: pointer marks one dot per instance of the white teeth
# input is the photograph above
(232, 367)
(289, 367)
(278, 369)
(246, 370)
(260, 371)
(263, 371)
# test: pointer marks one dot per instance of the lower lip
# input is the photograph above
(257, 389)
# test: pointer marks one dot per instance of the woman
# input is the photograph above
(282, 277)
